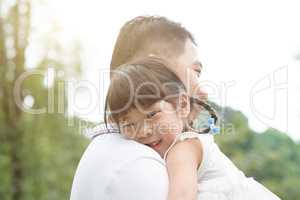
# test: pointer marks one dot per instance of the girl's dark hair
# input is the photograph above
(140, 84)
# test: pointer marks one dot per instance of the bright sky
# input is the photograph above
(250, 45)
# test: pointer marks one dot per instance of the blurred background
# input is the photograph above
(54, 62)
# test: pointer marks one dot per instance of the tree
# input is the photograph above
(12, 66)
(37, 154)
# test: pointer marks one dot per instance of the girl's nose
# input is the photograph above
(144, 135)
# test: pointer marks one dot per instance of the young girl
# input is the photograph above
(150, 105)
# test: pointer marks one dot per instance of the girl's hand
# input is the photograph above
(183, 161)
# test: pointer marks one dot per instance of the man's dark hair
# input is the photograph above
(146, 35)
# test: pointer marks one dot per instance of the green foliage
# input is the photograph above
(271, 157)
(52, 154)
(51, 151)
(39, 153)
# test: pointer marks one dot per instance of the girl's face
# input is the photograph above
(155, 126)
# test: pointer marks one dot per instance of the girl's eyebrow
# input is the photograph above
(127, 124)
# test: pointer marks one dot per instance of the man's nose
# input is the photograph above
(201, 94)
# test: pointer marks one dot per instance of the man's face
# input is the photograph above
(188, 69)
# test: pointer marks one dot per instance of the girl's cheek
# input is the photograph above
(169, 138)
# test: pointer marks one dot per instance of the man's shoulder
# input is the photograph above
(108, 143)
(110, 162)
(101, 129)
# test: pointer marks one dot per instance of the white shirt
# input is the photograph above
(114, 168)
(219, 178)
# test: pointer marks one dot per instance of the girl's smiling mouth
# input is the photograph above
(155, 144)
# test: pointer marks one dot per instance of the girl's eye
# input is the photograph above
(152, 114)
(128, 125)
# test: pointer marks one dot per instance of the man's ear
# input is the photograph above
(183, 107)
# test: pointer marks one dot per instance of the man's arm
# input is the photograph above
(143, 179)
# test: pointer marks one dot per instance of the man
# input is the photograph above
(113, 167)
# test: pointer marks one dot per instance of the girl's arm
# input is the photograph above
(182, 162)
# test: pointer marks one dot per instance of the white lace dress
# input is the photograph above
(219, 178)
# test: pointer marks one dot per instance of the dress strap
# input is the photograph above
(181, 137)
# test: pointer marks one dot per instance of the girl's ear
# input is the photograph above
(183, 105)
